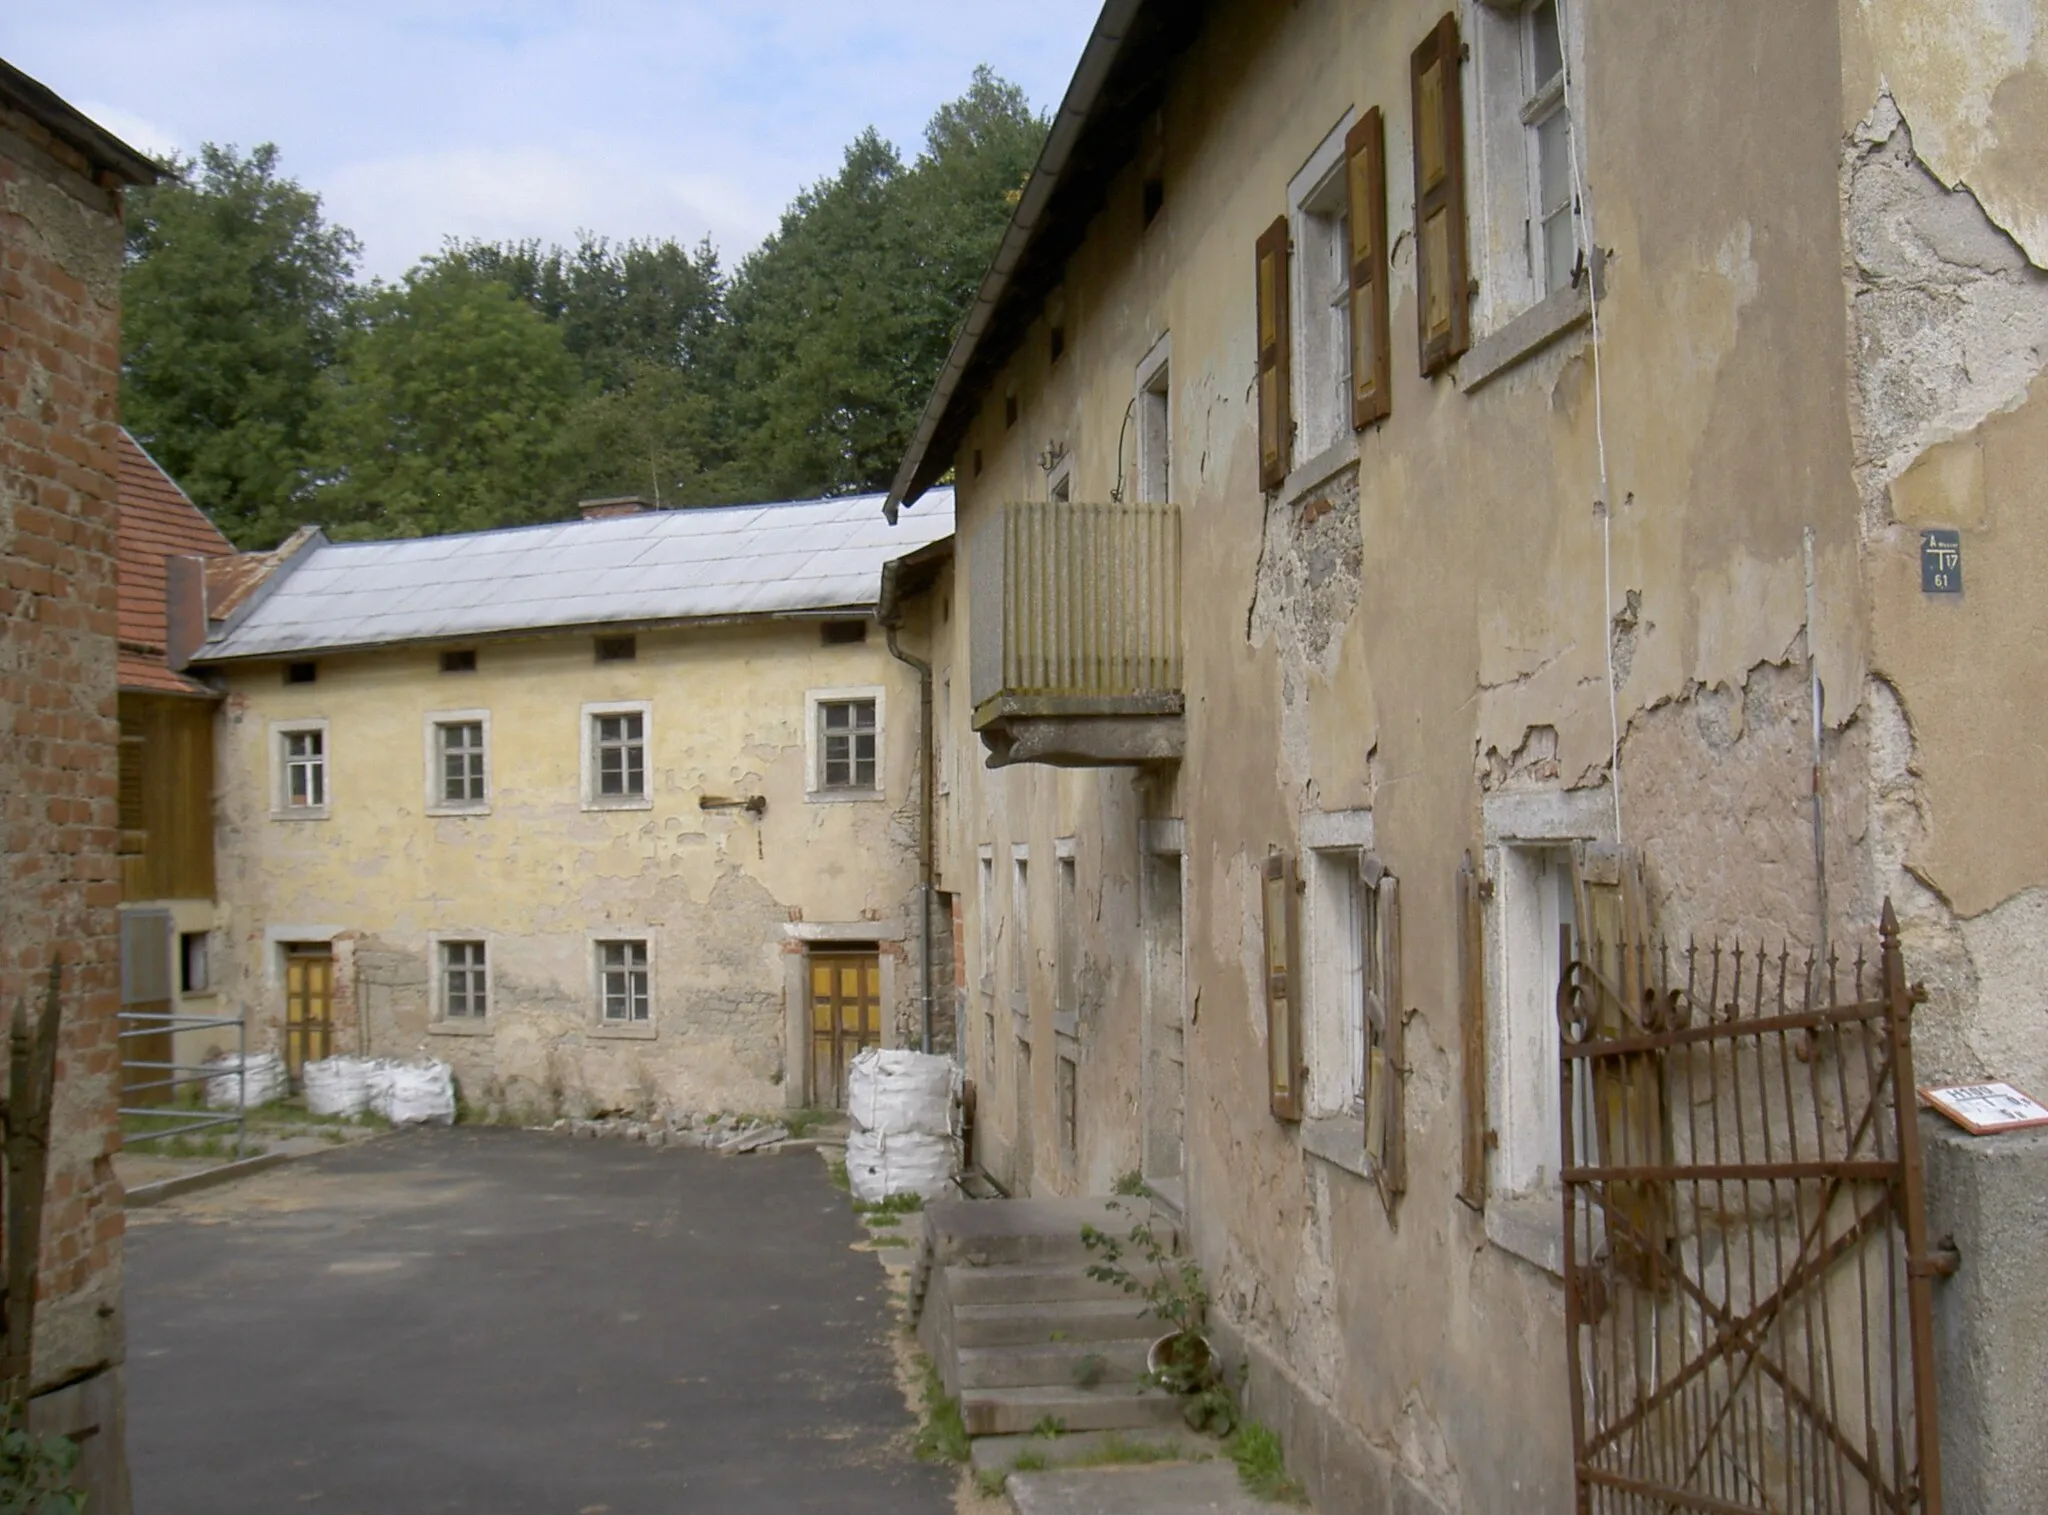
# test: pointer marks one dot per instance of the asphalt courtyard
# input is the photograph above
(516, 1323)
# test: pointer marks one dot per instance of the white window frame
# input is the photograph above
(280, 781)
(1155, 424)
(814, 745)
(1523, 1215)
(436, 721)
(1504, 115)
(1319, 284)
(441, 1021)
(589, 715)
(599, 940)
(1333, 843)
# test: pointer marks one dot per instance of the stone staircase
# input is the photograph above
(1021, 1335)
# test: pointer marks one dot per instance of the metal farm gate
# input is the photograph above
(1748, 1280)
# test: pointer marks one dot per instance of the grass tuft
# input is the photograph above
(943, 1436)
(1261, 1465)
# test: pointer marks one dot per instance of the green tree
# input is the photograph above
(840, 321)
(446, 410)
(234, 304)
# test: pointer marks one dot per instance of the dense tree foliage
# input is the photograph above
(499, 383)
(235, 301)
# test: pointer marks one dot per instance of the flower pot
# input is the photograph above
(1184, 1357)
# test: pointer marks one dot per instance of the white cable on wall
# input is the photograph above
(1582, 225)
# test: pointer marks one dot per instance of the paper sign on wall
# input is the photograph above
(1984, 1108)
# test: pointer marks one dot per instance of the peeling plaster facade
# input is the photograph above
(729, 901)
(1820, 315)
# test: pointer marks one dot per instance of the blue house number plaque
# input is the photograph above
(1941, 562)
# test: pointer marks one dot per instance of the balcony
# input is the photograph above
(1076, 634)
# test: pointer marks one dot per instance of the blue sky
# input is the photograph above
(538, 118)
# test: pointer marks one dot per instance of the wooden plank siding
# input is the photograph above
(176, 796)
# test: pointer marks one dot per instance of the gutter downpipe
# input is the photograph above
(926, 811)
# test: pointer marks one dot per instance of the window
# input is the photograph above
(616, 649)
(1533, 285)
(301, 673)
(458, 761)
(1319, 199)
(1553, 238)
(1067, 942)
(623, 984)
(459, 662)
(842, 633)
(1020, 927)
(195, 974)
(1155, 435)
(615, 756)
(843, 743)
(985, 908)
(1059, 480)
(1337, 918)
(1066, 1090)
(301, 769)
(1535, 900)
(846, 739)
(465, 993)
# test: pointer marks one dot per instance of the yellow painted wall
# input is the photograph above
(717, 892)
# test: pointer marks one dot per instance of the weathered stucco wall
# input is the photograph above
(1943, 189)
(1427, 620)
(722, 895)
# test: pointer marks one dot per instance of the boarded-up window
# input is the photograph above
(1365, 179)
(1386, 1147)
(1442, 264)
(1276, 413)
(1283, 1006)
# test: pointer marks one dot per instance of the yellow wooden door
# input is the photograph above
(846, 1015)
(308, 1006)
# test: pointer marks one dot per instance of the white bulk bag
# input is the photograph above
(896, 1092)
(910, 1162)
(337, 1086)
(242, 1081)
(414, 1094)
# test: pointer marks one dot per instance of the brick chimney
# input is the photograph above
(613, 505)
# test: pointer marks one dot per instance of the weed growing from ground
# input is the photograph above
(943, 1436)
(1261, 1467)
(890, 1204)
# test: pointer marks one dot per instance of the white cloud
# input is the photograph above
(418, 120)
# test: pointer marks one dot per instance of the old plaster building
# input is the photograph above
(61, 179)
(614, 814)
(1419, 472)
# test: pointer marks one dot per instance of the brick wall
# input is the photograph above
(60, 262)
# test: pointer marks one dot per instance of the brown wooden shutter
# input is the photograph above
(1442, 266)
(1386, 1144)
(1630, 1121)
(1372, 355)
(1283, 1006)
(1472, 1032)
(1276, 361)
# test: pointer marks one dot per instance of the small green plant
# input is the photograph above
(890, 1204)
(1139, 1262)
(1051, 1427)
(803, 1122)
(943, 1436)
(1261, 1465)
(989, 1482)
(879, 1221)
(1030, 1461)
(1117, 1448)
(835, 1169)
(35, 1471)
(1131, 1185)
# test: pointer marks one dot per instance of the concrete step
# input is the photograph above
(1053, 1364)
(996, 1325)
(1018, 1231)
(1146, 1444)
(1023, 1283)
(1001, 1412)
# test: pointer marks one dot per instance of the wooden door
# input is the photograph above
(846, 1015)
(308, 1005)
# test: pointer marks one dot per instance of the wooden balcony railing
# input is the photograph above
(1091, 607)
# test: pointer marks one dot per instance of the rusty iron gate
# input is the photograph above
(1748, 1281)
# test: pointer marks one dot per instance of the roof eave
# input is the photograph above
(104, 151)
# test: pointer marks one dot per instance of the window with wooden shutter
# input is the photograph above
(1472, 1033)
(1386, 1147)
(1372, 357)
(1283, 1000)
(1442, 264)
(1276, 411)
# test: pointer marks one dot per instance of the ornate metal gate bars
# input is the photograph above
(1748, 1282)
